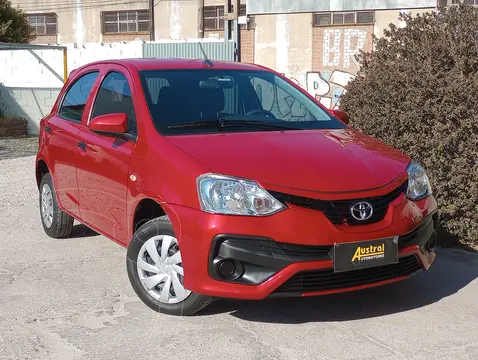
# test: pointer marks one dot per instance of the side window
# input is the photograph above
(279, 102)
(115, 96)
(76, 96)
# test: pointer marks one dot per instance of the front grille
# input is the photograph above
(323, 280)
(338, 211)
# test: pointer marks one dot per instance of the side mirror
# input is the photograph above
(110, 124)
(342, 116)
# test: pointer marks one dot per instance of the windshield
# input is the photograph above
(184, 101)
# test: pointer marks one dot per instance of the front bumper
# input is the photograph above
(289, 254)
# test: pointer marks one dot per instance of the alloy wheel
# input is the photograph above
(47, 205)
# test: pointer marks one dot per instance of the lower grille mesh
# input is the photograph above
(323, 280)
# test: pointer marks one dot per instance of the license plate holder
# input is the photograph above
(365, 254)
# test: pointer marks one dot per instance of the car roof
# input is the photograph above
(174, 63)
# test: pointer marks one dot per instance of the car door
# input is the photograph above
(62, 129)
(103, 165)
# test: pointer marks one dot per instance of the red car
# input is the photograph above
(227, 180)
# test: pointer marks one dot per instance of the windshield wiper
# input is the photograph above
(220, 123)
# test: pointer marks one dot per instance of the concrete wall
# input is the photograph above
(384, 17)
(29, 90)
(320, 59)
(79, 21)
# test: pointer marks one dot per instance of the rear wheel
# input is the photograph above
(155, 270)
(56, 223)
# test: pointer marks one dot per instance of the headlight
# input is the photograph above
(418, 183)
(219, 194)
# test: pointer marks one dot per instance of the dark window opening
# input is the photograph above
(116, 22)
(43, 24)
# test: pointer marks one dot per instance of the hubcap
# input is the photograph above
(47, 205)
(160, 269)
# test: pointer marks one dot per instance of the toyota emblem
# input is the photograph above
(361, 210)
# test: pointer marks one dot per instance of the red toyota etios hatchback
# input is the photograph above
(226, 180)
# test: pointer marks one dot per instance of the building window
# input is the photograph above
(214, 17)
(115, 22)
(468, 2)
(43, 24)
(344, 18)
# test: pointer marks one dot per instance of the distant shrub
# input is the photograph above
(418, 91)
(14, 26)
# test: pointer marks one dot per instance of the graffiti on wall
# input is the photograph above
(338, 54)
(340, 47)
(337, 67)
(326, 86)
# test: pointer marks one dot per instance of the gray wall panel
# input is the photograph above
(190, 50)
(291, 6)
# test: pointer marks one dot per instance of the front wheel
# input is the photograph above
(155, 270)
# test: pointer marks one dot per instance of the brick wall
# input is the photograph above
(247, 46)
(333, 46)
(247, 42)
(45, 39)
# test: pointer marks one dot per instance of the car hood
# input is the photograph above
(317, 160)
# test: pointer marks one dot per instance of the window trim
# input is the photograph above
(44, 15)
(130, 136)
(118, 22)
(60, 106)
(331, 18)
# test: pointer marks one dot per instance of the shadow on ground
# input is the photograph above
(81, 231)
(452, 271)
(12, 148)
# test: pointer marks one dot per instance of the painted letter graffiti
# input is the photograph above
(328, 86)
(336, 55)
(325, 86)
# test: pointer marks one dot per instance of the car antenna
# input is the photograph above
(206, 59)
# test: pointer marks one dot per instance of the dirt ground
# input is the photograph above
(71, 299)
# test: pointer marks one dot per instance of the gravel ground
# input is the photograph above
(12, 148)
(71, 299)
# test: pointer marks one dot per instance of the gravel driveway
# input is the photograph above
(12, 148)
(71, 299)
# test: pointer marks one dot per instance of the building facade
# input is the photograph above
(313, 42)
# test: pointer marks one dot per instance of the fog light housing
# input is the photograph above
(226, 268)
(229, 269)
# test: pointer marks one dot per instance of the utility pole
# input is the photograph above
(152, 35)
(200, 19)
(233, 16)
(227, 27)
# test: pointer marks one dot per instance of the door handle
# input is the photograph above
(48, 129)
(81, 145)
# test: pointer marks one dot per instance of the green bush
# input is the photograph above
(418, 91)
(14, 26)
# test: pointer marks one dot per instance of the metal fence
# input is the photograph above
(215, 50)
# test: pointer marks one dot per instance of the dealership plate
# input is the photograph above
(365, 254)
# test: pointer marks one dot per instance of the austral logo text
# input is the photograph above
(369, 253)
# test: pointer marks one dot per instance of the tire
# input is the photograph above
(149, 239)
(56, 223)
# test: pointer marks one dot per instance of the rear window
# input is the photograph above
(182, 96)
